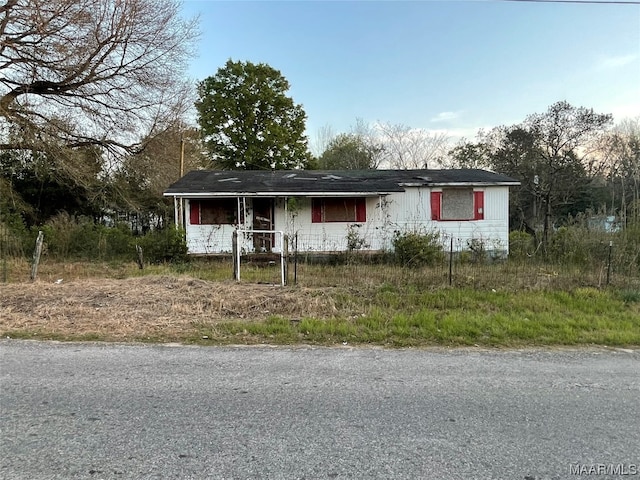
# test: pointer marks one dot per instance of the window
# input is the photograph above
(338, 210)
(457, 204)
(219, 211)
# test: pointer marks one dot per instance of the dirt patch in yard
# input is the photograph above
(148, 307)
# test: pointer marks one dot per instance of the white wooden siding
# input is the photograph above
(493, 230)
(401, 212)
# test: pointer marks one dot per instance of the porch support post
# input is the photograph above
(176, 215)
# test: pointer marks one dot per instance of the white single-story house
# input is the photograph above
(336, 211)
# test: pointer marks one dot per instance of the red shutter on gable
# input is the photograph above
(316, 210)
(361, 209)
(478, 205)
(194, 212)
(436, 198)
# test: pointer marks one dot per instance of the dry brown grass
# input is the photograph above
(376, 304)
(147, 307)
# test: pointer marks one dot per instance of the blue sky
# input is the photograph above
(439, 65)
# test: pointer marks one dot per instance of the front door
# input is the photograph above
(263, 220)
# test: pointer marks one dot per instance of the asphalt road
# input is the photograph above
(136, 412)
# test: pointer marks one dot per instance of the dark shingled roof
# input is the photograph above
(305, 182)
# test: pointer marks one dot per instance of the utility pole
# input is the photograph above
(181, 156)
(179, 207)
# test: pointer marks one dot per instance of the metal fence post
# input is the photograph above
(36, 255)
(295, 260)
(451, 262)
(285, 259)
(609, 261)
(4, 252)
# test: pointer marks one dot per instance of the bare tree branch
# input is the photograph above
(411, 148)
(105, 69)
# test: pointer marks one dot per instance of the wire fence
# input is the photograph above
(597, 262)
(515, 275)
(9, 248)
(578, 259)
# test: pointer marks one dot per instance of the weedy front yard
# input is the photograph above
(114, 303)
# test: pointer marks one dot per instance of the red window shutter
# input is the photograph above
(436, 199)
(361, 210)
(194, 212)
(316, 210)
(478, 205)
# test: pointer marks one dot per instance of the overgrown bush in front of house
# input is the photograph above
(626, 248)
(15, 238)
(165, 245)
(355, 240)
(578, 246)
(477, 250)
(417, 249)
(117, 240)
(81, 238)
(521, 245)
(62, 232)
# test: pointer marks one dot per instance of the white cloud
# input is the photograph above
(468, 133)
(617, 61)
(445, 116)
(627, 110)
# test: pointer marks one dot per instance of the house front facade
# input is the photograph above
(336, 211)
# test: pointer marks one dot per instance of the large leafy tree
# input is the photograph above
(349, 151)
(248, 121)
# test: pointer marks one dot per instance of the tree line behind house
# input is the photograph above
(95, 111)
